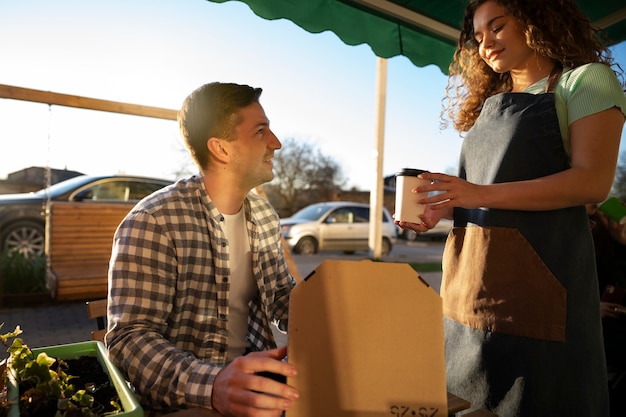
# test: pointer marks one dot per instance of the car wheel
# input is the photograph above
(25, 237)
(386, 247)
(306, 246)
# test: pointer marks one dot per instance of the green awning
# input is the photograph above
(425, 31)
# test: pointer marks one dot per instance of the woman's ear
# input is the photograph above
(216, 149)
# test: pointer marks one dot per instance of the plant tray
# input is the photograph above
(128, 401)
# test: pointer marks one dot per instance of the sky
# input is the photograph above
(155, 52)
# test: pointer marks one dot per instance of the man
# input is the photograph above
(197, 272)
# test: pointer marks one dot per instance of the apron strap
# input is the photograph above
(554, 78)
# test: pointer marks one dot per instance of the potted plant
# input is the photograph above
(72, 380)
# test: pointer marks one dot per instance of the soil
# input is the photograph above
(89, 376)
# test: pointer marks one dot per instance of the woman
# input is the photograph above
(533, 88)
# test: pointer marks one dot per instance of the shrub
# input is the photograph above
(22, 274)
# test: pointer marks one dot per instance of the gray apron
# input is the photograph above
(520, 292)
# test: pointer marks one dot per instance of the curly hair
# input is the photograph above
(556, 29)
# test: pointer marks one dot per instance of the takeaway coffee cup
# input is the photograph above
(407, 207)
(614, 209)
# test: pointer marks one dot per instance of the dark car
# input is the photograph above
(22, 216)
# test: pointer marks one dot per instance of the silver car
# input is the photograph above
(336, 225)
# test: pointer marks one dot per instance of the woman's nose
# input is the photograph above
(488, 39)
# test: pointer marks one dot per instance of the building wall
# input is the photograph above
(389, 198)
(33, 179)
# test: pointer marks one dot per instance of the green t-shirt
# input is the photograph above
(581, 92)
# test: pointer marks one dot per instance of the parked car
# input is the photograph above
(337, 225)
(440, 231)
(22, 216)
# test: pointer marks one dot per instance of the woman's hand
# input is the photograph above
(429, 219)
(451, 191)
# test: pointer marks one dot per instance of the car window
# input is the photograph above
(139, 190)
(312, 212)
(111, 191)
(124, 190)
(361, 214)
(341, 215)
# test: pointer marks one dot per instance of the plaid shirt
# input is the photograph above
(169, 290)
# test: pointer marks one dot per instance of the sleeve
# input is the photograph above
(142, 275)
(279, 281)
(593, 88)
(285, 282)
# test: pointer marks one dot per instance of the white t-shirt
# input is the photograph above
(242, 285)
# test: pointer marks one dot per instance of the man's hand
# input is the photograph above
(239, 391)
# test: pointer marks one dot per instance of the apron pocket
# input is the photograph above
(495, 281)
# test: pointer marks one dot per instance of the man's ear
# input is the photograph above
(217, 149)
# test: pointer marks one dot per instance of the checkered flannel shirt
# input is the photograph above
(169, 289)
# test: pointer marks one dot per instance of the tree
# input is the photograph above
(302, 176)
(619, 184)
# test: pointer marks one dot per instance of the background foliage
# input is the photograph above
(20, 274)
(619, 185)
(303, 175)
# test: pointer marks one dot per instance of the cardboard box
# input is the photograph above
(367, 340)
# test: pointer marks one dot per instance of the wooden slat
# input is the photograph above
(98, 335)
(456, 404)
(79, 284)
(97, 309)
(480, 413)
(79, 246)
(96, 248)
(88, 274)
(80, 292)
(48, 97)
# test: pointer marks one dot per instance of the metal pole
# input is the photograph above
(376, 194)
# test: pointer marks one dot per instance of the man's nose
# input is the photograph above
(275, 143)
